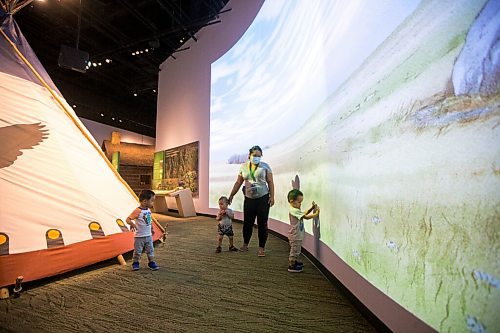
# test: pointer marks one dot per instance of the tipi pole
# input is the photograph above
(4, 293)
(121, 260)
(20, 6)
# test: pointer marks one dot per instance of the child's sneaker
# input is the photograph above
(135, 266)
(153, 266)
(233, 249)
(218, 249)
(295, 268)
(298, 263)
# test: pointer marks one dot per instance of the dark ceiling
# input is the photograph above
(121, 91)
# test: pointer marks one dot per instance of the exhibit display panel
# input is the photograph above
(177, 168)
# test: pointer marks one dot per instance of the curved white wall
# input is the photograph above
(184, 117)
(184, 88)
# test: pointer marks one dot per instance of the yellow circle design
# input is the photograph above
(3, 239)
(53, 234)
(94, 226)
(120, 223)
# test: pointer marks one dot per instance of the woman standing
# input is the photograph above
(259, 197)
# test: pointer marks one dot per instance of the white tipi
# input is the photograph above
(62, 205)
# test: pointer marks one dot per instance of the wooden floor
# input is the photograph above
(196, 290)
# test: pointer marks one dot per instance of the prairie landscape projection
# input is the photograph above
(387, 115)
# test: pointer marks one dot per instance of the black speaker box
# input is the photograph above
(72, 58)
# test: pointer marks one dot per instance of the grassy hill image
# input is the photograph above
(406, 171)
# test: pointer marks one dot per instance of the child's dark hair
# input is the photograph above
(146, 195)
(225, 199)
(294, 194)
(254, 148)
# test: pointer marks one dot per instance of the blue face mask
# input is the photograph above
(255, 159)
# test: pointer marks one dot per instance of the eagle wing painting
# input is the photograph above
(16, 138)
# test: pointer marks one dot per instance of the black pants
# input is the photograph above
(253, 208)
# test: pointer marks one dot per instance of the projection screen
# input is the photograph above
(386, 113)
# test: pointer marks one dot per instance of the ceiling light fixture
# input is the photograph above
(154, 44)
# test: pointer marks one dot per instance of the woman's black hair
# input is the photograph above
(254, 148)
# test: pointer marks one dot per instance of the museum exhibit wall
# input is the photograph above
(390, 126)
(184, 89)
(102, 132)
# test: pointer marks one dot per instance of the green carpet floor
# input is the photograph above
(196, 290)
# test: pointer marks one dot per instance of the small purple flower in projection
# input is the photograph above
(474, 325)
(393, 246)
(488, 278)
(376, 220)
(356, 254)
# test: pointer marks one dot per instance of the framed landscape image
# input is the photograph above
(180, 168)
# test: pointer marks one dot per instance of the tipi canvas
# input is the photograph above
(62, 205)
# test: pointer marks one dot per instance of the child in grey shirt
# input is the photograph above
(225, 225)
(296, 232)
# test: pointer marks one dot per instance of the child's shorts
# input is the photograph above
(144, 244)
(223, 229)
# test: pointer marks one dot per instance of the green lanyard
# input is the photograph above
(252, 173)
